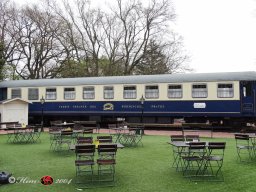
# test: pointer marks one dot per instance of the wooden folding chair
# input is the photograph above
(194, 161)
(192, 138)
(65, 137)
(106, 162)
(138, 136)
(36, 133)
(244, 146)
(177, 152)
(214, 161)
(84, 160)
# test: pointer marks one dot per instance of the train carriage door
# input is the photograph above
(248, 97)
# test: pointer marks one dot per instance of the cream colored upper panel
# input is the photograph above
(79, 92)
(140, 88)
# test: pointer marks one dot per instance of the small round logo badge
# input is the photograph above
(11, 179)
(47, 180)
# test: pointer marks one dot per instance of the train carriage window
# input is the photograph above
(199, 91)
(109, 92)
(33, 94)
(16, 93)
(51, 94)
(152, 92)
(175, 91)
(88, 92)
(225, 91)
(69, 93)
(130, 92)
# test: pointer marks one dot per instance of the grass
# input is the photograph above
(144, 168)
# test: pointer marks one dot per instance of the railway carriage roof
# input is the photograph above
(136, 79)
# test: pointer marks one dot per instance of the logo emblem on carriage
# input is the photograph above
(108, 107)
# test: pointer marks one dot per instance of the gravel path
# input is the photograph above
(168, 133)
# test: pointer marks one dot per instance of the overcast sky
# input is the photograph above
(219, 35)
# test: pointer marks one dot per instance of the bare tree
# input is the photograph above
(41, 53)
(47, 42)
(8, 39)
(113, 42)
(140, 23)
(84, 28)
(176, 57)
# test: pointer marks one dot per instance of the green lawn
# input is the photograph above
(144, 168)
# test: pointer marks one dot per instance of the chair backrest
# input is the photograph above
(88, 130)
(177, 137)
(216, 149)
(85, 149)
(197, 145)
(105, 139)
(88, 140)
(243, 140)
(197, 149)
(66, 133)
(242, 137)
(107, 148)
(216, 145)
(192, 138)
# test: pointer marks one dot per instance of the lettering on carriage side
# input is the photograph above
(108, 107)
(131, 106)
(79, 106)
(64, 106)
(157, 106)
(92, 107)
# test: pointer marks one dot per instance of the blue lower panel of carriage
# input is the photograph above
(150, 108)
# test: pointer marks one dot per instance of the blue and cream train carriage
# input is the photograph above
(219, 97)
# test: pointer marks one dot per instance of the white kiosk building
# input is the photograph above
(13, 110)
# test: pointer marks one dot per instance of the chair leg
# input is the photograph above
(193, 168)
(177, 160)
(249, 152)
(215, 173)
(109, 170)
(80, 171)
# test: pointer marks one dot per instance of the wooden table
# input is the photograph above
(19, 134)
(65, 125)
(119, 145)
